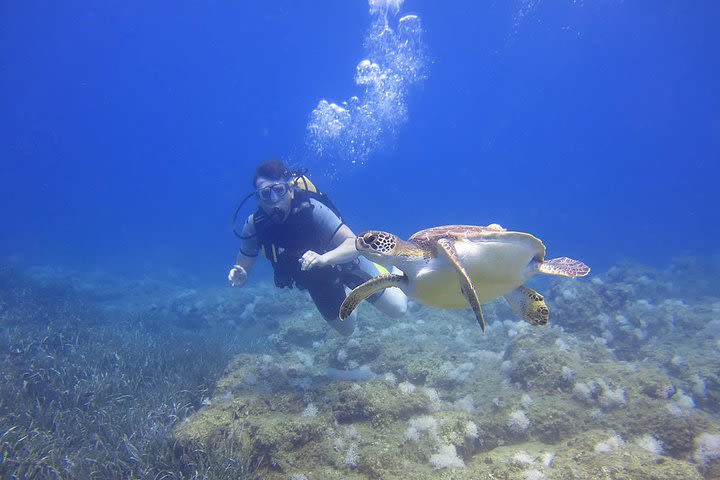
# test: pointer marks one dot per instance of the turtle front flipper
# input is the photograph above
(447, 246)
(363, 291)
(564, 267)
(529, 305)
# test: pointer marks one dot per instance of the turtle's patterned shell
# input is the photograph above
(455, 231)
(428, 238)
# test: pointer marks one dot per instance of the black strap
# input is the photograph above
(234, 220)
(247, 254)
(335, 232)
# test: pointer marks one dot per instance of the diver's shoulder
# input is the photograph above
(316, 203)
(320, 209)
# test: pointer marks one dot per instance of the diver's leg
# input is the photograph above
(328, 299)
(391, 301)
(344, 327)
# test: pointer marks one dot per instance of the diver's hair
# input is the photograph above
(273, 169)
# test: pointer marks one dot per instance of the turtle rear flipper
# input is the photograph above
(365, 290)
(528, 304)
(564, 266)
(447, 246)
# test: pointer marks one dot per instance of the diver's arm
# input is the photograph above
(245, 259)
(239, 273)
(344, 251)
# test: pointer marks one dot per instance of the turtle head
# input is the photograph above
(377, 244)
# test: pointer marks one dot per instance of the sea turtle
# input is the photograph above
(456, 265)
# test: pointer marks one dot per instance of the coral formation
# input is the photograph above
(622, 383)
(598, 388)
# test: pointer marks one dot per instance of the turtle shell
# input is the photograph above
(495, 259)
(476, 233)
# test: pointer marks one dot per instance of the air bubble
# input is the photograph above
(351, 131)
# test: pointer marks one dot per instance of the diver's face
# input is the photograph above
(275, 197)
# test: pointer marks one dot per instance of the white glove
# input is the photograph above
(237, 276)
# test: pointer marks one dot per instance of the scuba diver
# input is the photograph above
(302, 234)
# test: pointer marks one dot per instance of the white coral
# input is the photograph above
(518, 422)
(420, 425)
(609, 397)
(412, 435)
(609, 445)
(650, 444)
(471, 430)
(310, 411)
(390, 378)
(446, 458)
(584, 392)
(406, 387)
(707, 448)
(352, 456)
(435, 402)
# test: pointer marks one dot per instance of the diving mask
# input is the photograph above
(273, 193)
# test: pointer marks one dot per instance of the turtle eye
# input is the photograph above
(370, 238)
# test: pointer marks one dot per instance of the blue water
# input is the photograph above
(129, 130)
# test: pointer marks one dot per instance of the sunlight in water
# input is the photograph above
(348, 132)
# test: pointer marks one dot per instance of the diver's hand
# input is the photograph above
(311, 260)
(237, 276)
